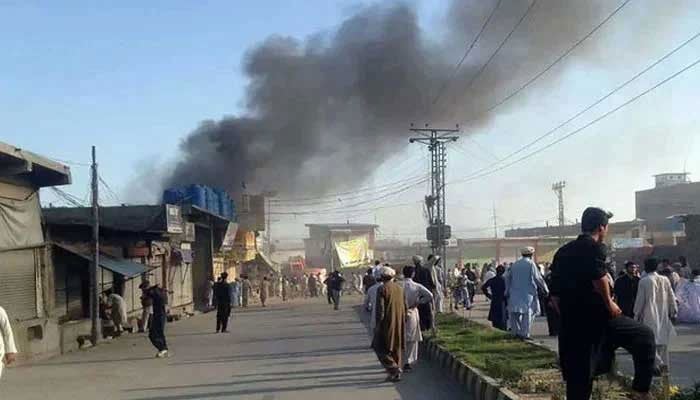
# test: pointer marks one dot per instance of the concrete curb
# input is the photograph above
(478, 385)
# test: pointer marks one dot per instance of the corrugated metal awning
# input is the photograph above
(121, 266)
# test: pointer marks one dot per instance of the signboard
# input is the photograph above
(230, 236)
(189, 232)
(353, 253)
(627, 243)
(173, 218)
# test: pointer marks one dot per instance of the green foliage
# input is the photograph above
(497, 353)
(691, 393)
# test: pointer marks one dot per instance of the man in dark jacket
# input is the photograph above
(334, 285)
(222, 294)
(592, 324)
(424, 276)
(626, 289)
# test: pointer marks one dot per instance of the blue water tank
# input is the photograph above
(196, 195)
(212, 200)
(173, 196)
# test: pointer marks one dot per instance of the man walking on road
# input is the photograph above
(8, 349)
(655, 307)
(156, 332)
(222, 294)
(415, 294)
(335, 286)
(592, 325)
(389, 333)
(424, 276)
(522, 281)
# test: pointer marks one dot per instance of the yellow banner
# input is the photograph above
(353, 253)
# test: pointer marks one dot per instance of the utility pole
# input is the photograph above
(438, 231)
(96, 328)
(558, 188)
(495, 222)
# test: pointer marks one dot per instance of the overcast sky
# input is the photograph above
(135, 80)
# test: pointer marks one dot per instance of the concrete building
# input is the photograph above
(673, 195)
(320, 247)
(26, 270)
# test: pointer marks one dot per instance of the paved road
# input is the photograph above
(685, 348)
(299, 351)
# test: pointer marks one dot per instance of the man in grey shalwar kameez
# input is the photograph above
(415, 294)
(522, 281)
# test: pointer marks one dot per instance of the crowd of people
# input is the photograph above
(592, 313)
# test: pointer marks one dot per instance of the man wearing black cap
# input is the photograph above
(592, 324)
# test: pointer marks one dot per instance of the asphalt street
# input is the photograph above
(303, 350)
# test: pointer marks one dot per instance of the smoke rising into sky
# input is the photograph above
(322, 113)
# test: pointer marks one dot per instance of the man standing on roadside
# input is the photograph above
(592, 325)
(424, 276)
(222, 294)
(8, 350)
(156, 332)
(656, 307)
(389, 333)
(368, 280)
(522, 281)
(626, 289)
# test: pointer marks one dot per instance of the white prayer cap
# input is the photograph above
(527, 251)
(386, 271)
(417, 260)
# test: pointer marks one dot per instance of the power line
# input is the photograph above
(111, 192)
(340, 200)
(355, 191)
(349, 207)
(587, 125)
(500, 46)
(441, 91)
(551, 65)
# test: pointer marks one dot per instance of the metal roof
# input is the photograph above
(38, 170)
(146, 218)
(121, 266)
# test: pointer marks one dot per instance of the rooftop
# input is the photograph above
(16, 163)
(119, 218)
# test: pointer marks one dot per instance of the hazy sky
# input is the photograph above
(134, 80)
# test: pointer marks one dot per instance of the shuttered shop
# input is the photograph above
(18, 282)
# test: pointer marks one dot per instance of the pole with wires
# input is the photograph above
(438, 231)
(96, 328)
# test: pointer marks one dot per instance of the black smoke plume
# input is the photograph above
(323, 113)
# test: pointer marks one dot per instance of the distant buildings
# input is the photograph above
(326, 240)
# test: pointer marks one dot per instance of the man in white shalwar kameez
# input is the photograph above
(370, 303)
(415, 294)
(522, 281)
(8, 349)
(436, 272)
(655, 306)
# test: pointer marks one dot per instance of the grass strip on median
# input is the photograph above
(499, 354)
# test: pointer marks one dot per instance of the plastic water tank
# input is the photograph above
(196, 195)
(173, 196)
